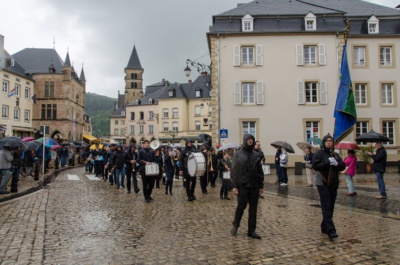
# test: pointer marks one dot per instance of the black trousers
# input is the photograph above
(247, 196)
(131, 175)
(148, 184)
(327, 197)
(190, 183)
(204, 182)
(97, 168)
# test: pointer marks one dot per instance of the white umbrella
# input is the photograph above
(229, 146)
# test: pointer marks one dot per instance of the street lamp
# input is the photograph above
(201, 68)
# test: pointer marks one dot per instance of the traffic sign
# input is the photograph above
(223, 133)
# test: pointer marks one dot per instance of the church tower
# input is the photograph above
(133, 78)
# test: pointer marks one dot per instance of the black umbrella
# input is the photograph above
(13, 142)
(76, 142)
(64, 144)
(372, 137)
(283, 144)
(33, 145)
(204, 136)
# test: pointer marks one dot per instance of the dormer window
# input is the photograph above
(373, 25)
(171, 93)
(122, 113)
(310, 22)
(12, 62)
(150, 101)
(198, 93)
(138, 101)
(247, 23)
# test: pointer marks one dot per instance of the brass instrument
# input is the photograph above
(209, 154)
(88, 159)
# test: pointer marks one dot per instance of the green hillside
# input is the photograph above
(99, 108)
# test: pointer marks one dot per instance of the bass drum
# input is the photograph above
(196, 164)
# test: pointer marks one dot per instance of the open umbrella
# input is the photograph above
(33, 145)
(315, 140)
(76, 142)
(283, 144)
(303, 146)
(13, 142)
(54, 147)
(229, 146)
(93, 146)
(347, 145)
(49, 142)
(372, 137)
(27, 139)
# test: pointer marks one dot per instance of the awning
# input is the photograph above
(22, 129)
(89, 137)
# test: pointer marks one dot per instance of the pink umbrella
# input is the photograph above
(347, 145)
(27, 139)
(54, 147)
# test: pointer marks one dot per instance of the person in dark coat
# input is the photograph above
(327, 169)
(379, 167)
(28, 159)
(278, 165)
(224, 167)
(169, 168)
(189, 181)
(146, 157)
(131, 169)
(118, 161)
(308, 157)
(158, 158)
(247, 179)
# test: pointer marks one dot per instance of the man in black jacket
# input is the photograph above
(379, 167)
(146, 157)
(190, 182)
(248, 183)
(327, 181)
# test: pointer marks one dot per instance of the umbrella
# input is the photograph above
(303, 145)
(13, 142)
(346, 145)
(315, 140)
(64, 144)
(76, 142)
(229, 146)
(372, 137)
(49, 142)
(54, 147)
(33, 145)
(204, 136)
(283, 144)
(93, 146)
(27, 139)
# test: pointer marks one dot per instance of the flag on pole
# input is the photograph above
(34, 99)
(12, 93)
(345, 108)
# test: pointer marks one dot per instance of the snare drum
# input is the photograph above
(152, 169)
(196, 164)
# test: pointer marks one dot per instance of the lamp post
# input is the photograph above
(173, 134)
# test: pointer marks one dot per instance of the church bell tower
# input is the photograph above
(133, 78)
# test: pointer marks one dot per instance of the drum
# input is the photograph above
(266, 169)
(226, 175)
(152, 169)
(196, 164)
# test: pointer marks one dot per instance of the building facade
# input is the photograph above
(275, 70)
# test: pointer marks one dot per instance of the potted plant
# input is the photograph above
(362, 155)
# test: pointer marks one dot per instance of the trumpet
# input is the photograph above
(210, 161)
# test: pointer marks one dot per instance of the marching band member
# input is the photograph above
(224, 165)
(169, 169)
(159, 160)
(207, 173)
(119, 166)
(97, 164)
(190, 182)
(146, 157)
(130, 162)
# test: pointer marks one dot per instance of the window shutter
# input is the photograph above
(236, 55)
(237, 94)
(260, 55)
(300, 93)
(324, 92)
(299, 54)
(260, 93)
(322, 54)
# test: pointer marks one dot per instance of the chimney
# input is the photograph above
(2, 52)
(190, 81)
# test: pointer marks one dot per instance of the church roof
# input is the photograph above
(134, 62)
(38, 60)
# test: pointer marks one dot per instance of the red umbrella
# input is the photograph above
(346, 145)
(27, 139)
(54, 147)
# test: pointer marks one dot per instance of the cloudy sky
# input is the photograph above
(100, 34)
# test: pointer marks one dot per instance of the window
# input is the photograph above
(132, 129)
(247, 26)
(247, 23)
(197, 125)
(175, 113)
(165, 113)
(122, 122)
(373, 25)
(310, 25)
(49, 111)
(141, 115)
(247, 55)
(132, 116)
(133, 85)
(171, 93)
(388, 130)
(312, 92)
(141, 129)
(5, 86)
(151, 115)
(197, 110)
(361, 127)
(116, 122)
(310, 55)
(360, 92)
(359, 56)
(17, 90)
(27, 93)
(151, 129)
(4, 111)
(122, 112)
(386, 56)
(27, 115)
(175, 126)
(387, 94)
(312, 130)
(249, 127)
(248, 95)
(49, 88)
(198, 93)
(116, 131)
(122, 131)
(165, 127)
(310, 22)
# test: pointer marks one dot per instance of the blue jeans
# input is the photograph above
(5, 175)
(119, 171)
(350, 183)
(381, 183)
(284, 177)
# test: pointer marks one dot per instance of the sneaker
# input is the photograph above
(381, 197)
(284, 184)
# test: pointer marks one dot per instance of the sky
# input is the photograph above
(100, 34)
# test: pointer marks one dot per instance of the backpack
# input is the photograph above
(283, 158)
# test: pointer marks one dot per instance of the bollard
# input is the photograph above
(14, 179)
(298, 168)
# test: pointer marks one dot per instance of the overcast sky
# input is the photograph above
(101, 34)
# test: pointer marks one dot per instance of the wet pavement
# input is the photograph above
(78, 219)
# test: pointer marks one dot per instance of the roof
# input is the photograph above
(67, 62)
(36, 61)
(146, 100)
(82, 76)
(16, 69)
(134, 62)
(118, 112)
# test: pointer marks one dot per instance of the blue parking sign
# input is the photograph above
(223, 133)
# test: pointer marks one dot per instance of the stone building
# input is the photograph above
(59, 90)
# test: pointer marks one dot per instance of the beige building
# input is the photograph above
(16, 96)
(275, 70)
